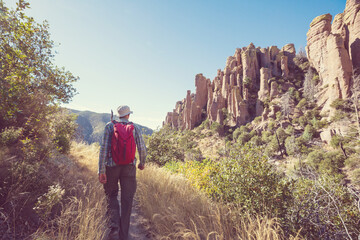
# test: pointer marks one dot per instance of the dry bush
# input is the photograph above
(178, 211)
(82, 213)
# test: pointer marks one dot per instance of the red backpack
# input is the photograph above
(123, 145)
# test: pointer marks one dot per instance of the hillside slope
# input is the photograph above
(91, 125)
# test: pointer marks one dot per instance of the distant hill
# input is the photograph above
(91, 125)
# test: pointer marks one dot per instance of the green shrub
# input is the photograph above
(216, 127)
(303, 121)
(316, 79)
(193, 154)
(339, 116)
(64, 129)
(236, 133)
(257, 119)
(290, 130)
(319, 124)
(204, 125)
(313, 113)
(163, 148)
(353, 162)
(201, 175)
(33, 150)
(272, 147)
(295, 121)
(337, 141)
(291, 145)
(172, 166)
(280, 132)
(309, 132)
(341, 104)
(302, 104)
(244, 128)
(356, 176)
(256, 141)
(252, 133)
(243, 138)
(315, 158)
(247, 82)
(302, 144)
(332, 163)
(271, 125)
(10, 136)
(266, 136)
(246, 178)
(326, 162)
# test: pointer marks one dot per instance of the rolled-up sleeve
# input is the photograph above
(140, 144)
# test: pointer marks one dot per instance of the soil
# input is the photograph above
(139, 226)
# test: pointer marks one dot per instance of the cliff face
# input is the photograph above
(251, 76)
(334, 51)
(235, 89)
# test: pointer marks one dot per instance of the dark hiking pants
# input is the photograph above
(126, 175)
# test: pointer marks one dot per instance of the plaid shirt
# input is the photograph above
(105, 158)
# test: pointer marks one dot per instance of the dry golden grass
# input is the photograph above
(177, 211)
(82, 215)
(86, 155)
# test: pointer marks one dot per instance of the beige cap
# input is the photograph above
(123, 110)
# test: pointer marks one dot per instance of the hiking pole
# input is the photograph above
(112, 115)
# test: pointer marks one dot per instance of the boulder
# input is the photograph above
(326, 135)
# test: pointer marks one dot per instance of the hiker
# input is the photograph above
(117, 163)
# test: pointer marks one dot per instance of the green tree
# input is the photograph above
(31, 86)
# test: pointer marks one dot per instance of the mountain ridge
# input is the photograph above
(91, 125)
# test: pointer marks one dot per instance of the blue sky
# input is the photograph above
(146, 53)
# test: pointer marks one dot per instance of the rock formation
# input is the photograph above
(334, 51)
(254, 76)
(239, 89)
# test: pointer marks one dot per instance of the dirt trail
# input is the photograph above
(139, 228)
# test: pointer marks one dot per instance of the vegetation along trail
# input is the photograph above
(267, 150)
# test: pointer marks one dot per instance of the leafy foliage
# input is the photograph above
(162, 147)
(31, 85)
(246, 178)
(326, 162)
